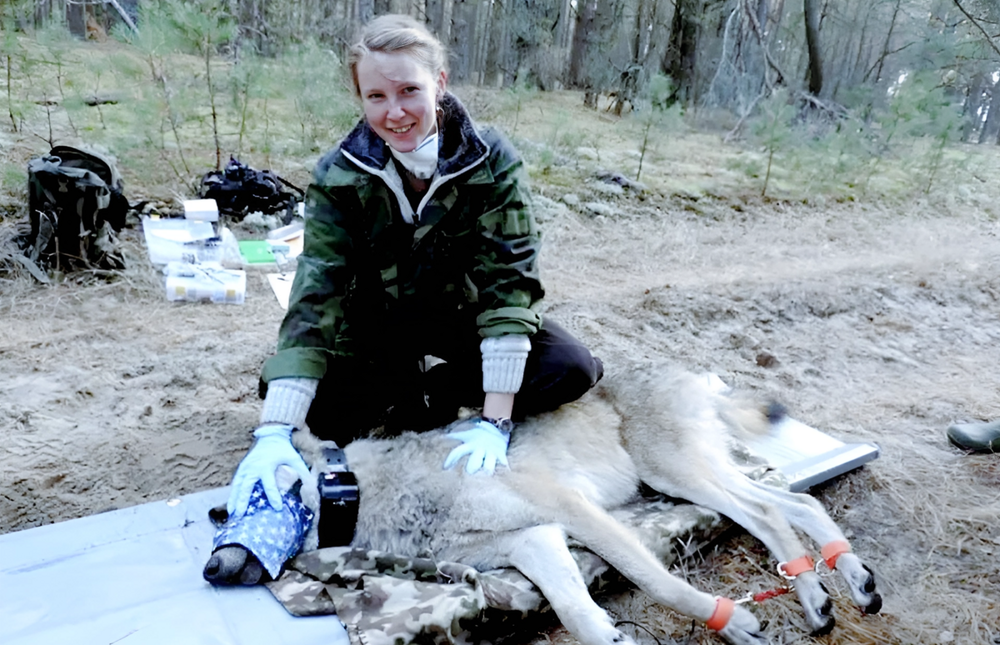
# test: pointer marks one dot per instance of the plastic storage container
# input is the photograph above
(181, 240)
(201, 282)
(201, 210)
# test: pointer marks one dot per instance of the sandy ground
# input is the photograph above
(870, 326)
(872, 323)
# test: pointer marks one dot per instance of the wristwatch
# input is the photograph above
(503, 425)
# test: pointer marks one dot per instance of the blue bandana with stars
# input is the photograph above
(272, 535)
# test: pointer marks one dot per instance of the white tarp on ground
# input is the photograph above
(133, 577)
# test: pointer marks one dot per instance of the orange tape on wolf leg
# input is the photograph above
(724, 608)
(833, 550)
(796, 567)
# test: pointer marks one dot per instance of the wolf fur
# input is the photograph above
(568, 469)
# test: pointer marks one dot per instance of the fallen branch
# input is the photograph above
(834, 109)
(32, 268)
(102, 100)
(92, 101)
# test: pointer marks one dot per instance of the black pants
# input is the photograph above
(398, 390)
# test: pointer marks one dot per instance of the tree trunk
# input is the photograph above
(366, 11)
(564, 33)
(854, 56)
(463, 32)
(973, 105)
(679, 61)
(43, 12)
(991, 103)
(638, 32)
(435, 17)
(510, 56)
(76, 19)
(484, 37)
(885, 47)
(812, 17)
(582, 41)
(762, 11)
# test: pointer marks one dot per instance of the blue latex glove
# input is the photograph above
(273, 448)
(485, 445)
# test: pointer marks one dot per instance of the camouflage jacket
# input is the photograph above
(387, 599)
(465, 255)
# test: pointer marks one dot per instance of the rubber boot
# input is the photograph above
(978, 437)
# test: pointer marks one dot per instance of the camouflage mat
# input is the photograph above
(384, 599)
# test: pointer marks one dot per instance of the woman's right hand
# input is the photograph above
(272, 449)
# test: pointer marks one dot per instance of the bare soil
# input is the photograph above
(871, 321)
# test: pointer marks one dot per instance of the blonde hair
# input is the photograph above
(397, 33)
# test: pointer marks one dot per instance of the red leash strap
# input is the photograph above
(761, 596)
(796, 567)
(833, 550)
(773, 593)
(724, 608)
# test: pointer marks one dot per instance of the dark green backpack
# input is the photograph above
(76, 209)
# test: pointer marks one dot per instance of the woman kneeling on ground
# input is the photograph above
(415, 294)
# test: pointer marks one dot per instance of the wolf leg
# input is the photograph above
(808, 515)
(621, 548)
(729, 492)
(541, 554)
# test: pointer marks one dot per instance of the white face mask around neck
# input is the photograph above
(422, 162)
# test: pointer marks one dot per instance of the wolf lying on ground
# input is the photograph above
(568, 468)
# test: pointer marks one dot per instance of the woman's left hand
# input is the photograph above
(484, 443)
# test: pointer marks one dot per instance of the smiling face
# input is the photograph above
(399, 96)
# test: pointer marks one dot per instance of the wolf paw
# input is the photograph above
(860, 582)
(743, 629)
(816, 603)
(865, 596)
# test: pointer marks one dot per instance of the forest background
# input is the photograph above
(840, 91)
(800, 197)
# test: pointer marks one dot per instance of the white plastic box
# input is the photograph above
(201, 210)
(180, 240)
(287, 242)
(201, 282)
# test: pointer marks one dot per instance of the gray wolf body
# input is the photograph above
(568, 469)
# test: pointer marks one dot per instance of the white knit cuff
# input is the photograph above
(288, 401)
(504, 358)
